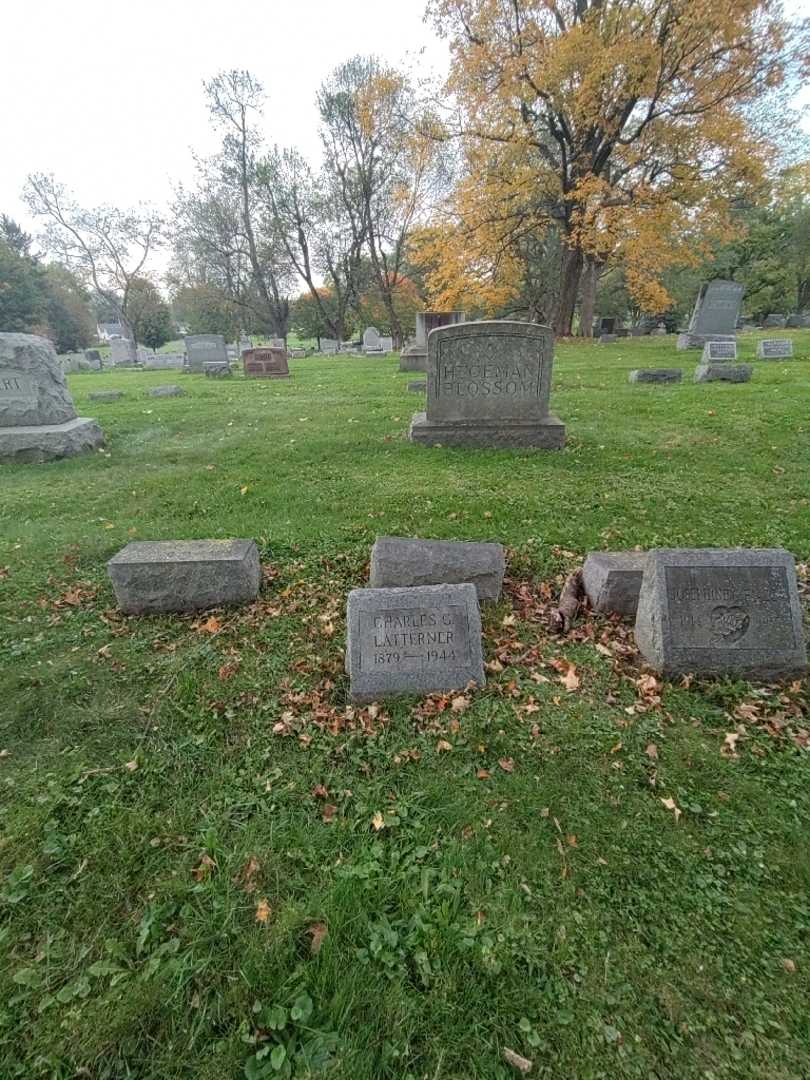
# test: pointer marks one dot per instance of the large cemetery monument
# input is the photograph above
(202, 349)
(488, 385)
(715, 316)
(414, 356)
(38, 420)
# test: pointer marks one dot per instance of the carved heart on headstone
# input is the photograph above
(730, 623)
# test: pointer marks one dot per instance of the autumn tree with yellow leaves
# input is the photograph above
(625, 126)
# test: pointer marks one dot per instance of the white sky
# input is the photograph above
(108, 96)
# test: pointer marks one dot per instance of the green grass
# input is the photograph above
(160, 783)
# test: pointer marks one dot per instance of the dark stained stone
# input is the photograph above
(398, 562)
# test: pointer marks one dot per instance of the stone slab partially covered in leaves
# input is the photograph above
(612, 580)
(729, 612)
(185, 575)
(413, 641)
(401, 561)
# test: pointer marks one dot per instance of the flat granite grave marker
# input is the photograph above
(184, 575)
(612, 580)
(398, 561)
(656, 375)
(608, 339)
(775, 349)
(38, 420)
(106, 395)
(414, 356)
(715, 314)
(714, 351)
(266, 363)
(216, 369)
(171, 390)
(204, 349)
(488, 386)
(165, 362)
(421, 640)
(723, 372)
(721, 612)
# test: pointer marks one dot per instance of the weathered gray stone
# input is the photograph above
(716, 311)
(297, 354)
(413, 641)
(93, 358)
(45, 442)
(167, 391)
(801, 320)
(612, 580)
(488, 386)
(106, 395)
(165, 362)
(204, 348)
(723, 372)
(371, 340)
(184, 575)
(715, 351)
(775, 322)
(38, 420)
(721, 612)
(775, 349)
(216, 369)
(397, 561)
(608, 339)
(418, 387)
(33, 389)
(415, 355)
(123, 352)
(266, 363)
(656, 375)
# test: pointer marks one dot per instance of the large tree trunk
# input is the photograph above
(570, 273)
(590, 275)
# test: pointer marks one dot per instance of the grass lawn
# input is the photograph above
(212, 867)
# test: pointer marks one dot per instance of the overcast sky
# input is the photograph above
(108, 96)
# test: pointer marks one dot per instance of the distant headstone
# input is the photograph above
(799, 321)
(165, 362)
(414, 356)
(400, 562)
(775, 321)
(123, 352)
(106, 395)
(607, 339)
(659, 331)
(184, 575)
(656, 375)
(93, 357)
(612, 580)
(167, 391)
(488, 386)
(418, 387)
(608, 325)
(413, 641)
(231, 351)
(371, 340)
(297, 354)
(715, 315)
(216, 369)
(622, 332)
(714, 351)
(723, 372)
(277, 343)
(386, 344)
(204, 349)
(329, 346)
(244, 344)
(775, 349)
(38, 420)
(266, 363)
(721, 612)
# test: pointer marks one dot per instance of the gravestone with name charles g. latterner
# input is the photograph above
(721, 612)
(38, 420)
(488, 385)
(715, 315)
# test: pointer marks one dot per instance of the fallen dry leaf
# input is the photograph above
(247, 875)
(507, 764)
(131, 765)
(320, 792)
(483, 774)
(670, 804)
(328, 814)
(460, 703)
(789, 965)
(652, 751)
(317, 932)
(443, 746)
(570, 680)
(210, 626)
(204, 868)
(519, 1062)
(378, 821)
(262, 911)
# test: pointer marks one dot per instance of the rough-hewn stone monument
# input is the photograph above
(38, 420)
(204, 348)
(397, 561)
(721, 612)
(489, 385)
(714, 318)
(184, 575)
(266, 363)
(414, 356)
(413, 641)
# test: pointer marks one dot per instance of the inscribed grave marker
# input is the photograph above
(775, 349)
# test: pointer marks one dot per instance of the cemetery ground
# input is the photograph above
(211, 866)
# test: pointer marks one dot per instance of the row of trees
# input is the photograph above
(581, 153)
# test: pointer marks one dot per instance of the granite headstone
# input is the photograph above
(775, 349)
(203, 349)
(414, 356)
(265, 363)
(656, 375)
(715, 314)
(398, 561)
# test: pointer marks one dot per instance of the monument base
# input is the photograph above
(413, 361)
(545, 434)
(48, 441)
(697, 341)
